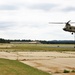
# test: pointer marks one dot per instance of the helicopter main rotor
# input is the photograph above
(61, 22)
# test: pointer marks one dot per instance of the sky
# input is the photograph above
(29, 19)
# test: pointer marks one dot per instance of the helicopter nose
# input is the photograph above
(64, 29)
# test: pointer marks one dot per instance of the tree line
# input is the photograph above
(41, 41)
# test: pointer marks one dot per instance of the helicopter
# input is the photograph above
(67, 27)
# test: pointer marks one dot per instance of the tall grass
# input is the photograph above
(14, 67)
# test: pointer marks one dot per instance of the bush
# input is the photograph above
(66, 71)
(73, 71)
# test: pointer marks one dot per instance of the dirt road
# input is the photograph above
(51, 62)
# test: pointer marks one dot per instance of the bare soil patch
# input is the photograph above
(51, 62)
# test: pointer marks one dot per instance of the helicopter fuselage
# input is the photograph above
(69, 28)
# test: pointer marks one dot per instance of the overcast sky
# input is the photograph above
(29, 19)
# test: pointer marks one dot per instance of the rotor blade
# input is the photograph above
(56, 22)
(72, 22)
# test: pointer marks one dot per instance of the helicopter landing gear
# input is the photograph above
(72, 33)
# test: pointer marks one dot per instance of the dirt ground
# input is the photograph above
(51, 62)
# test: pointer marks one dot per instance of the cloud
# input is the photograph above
(8, 7)
(6, 25)
(43, 6)
(68, 9)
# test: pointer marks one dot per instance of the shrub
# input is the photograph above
(66, 71)
(73, 71)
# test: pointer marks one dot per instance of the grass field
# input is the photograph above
(37, 47)
(14, 67)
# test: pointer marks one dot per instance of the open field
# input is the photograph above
(52, 62)
(53, 59)
(37, 47)
(14, 67)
